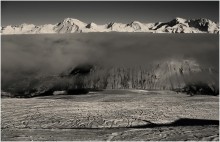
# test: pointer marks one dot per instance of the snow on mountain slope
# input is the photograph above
(48, 28)
(204, 25)
(70, 25)
(22, 29)
(92, 27)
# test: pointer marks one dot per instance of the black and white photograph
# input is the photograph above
(109, 70)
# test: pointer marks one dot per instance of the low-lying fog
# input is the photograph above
(30, 56)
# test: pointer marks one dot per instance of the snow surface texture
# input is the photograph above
(70, 25)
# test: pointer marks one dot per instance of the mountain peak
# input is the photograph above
(70, 19)
(25, 24)
(180, 20)
(73, 21)
(91, 25)
(71, 25)
(136, 22)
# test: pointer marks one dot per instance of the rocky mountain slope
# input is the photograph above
(168, 75)
(164, 75)
(70, 25)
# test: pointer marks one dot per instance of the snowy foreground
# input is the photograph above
(111, 115)
(70, 25)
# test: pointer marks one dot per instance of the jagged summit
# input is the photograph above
(74, 21)
(180, 20)
(134, 23)
(204, 25)
(71, 25)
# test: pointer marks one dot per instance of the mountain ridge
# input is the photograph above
(71, 25)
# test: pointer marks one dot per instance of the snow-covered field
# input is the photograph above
(112, 115)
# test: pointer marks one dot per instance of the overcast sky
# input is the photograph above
(50, 12)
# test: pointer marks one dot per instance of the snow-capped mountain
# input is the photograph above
(180, 25)
(70, 25)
